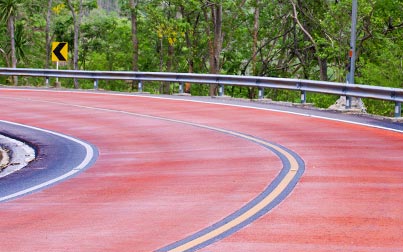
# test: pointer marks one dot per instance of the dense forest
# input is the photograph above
(277, 38)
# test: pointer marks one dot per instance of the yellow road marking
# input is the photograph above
(255, 209)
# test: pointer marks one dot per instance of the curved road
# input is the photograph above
(57, 158)
(176, 174)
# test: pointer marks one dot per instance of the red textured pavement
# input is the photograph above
(156, 181)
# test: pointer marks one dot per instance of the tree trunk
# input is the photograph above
(187, 84)
(255, 36)
(12, 44)
(77, 22)
(256, 14)
(323, 69)
(47, 34)
(189, 45)
(166, 86)
(215, 45)
(135, 41)
(218, 38)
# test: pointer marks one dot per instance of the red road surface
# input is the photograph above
(156, 182)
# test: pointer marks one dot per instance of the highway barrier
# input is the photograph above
(349, 90)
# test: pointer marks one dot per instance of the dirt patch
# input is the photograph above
(15, 155)
(4, 158)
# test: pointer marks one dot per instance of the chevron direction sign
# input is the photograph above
(59, 51)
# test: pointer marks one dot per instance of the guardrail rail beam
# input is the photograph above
(304, 86)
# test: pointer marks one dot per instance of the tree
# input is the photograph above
(105, 41)
(77, 14)
(310, 20)
(213, 14)
(47, 33)
(109, 5)
(256, 16)
(135, 42)
(77, 11)
(8, 11)
(192, 21)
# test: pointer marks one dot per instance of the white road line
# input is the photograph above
(216, 103)
(88, 157)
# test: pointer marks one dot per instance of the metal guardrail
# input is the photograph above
(304, 86)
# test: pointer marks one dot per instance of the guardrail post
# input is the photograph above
(140, 87)
(96, 84)
(398, 109)
(181, 88)
(261, 93)
(221, 90)
(303, 96)
(348, 102)
(47, 81)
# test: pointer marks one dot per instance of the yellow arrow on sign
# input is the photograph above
(59, 51)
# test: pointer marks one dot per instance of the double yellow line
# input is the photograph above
(293, 167)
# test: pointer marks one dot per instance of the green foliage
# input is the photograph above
(173, 37)
(21, 41)
(8, 8)
(4, 38)
(105, 43)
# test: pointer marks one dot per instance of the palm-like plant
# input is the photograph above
(21, 41)
(8, 10)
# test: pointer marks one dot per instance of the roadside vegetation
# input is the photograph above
(280, 38)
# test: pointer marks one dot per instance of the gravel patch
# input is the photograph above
(15, 155)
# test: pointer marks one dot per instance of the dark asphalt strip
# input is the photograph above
(58, 157)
